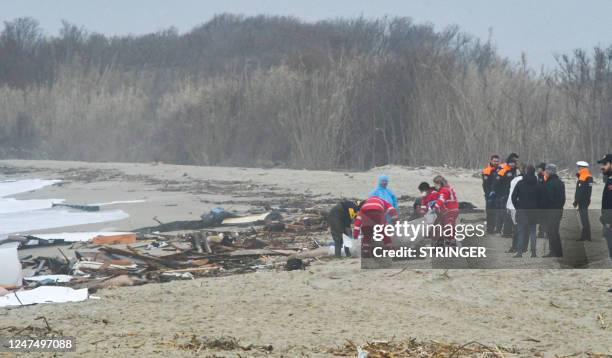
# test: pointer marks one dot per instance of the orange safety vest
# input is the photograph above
(488, 170)
(504, 169)
(584, 174)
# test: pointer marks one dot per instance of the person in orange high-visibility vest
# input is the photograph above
(582, 198)
(500, 192)
(488, 178)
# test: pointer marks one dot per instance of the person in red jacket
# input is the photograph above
(428, 194)
(372, 211)
(447, 207)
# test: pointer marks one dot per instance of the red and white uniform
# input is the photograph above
(431, 195)
(447, 199)
(374, 211)
(448, 207)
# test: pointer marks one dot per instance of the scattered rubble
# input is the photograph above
(227, 244)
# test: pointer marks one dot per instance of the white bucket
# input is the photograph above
(10, 267)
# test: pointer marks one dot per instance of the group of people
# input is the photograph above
(520, 197)
(381, 208)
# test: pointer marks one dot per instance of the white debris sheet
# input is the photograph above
(44, 294)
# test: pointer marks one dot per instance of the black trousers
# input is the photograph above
(504, 220)
(491, 213)
(337, 229)
(500, 213)
(583, 212)
(553, 221)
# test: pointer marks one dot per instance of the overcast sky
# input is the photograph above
(540, 28)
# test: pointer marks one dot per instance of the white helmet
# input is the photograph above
(582, 163)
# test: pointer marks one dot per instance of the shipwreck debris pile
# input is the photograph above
(225, 245)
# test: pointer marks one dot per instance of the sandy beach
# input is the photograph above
(306, 313)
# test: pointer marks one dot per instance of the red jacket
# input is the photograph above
(373, 204)
(447, 199)
(432, 195)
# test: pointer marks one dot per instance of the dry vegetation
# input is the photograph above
(261, 91)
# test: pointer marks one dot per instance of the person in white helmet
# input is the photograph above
(582, 198)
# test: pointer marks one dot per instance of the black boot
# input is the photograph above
(338, 250)
(347, 252)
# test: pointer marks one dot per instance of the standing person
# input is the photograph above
(382, 191)
(606, 201)
(512, 210)
(527, 198)
(501, 191)
(339, 219)
(373, 211)
(541, 179)
(554, 200)
(448, 207)
(582, 198)
(488, 177)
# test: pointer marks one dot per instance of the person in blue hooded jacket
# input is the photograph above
(385, 193)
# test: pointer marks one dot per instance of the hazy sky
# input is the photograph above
(540, 28)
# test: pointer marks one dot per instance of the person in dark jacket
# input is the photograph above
(582, 198)
(500, 192)
(606, 201)
(554, 200)
(339, 219)
(540, 174)
(488, 177)
(527, 199)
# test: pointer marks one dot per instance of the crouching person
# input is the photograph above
(447, 207)
(339, 219)
(374, 211)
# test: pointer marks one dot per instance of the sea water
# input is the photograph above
(22, 216)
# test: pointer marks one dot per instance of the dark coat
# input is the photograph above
(527, 199)
(339, 216)
(501, 184)
(584, 188)
(554, 193)
(606, 202)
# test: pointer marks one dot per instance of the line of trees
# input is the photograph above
(259, 91)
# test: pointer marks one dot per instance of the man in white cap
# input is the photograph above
(582, 198)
